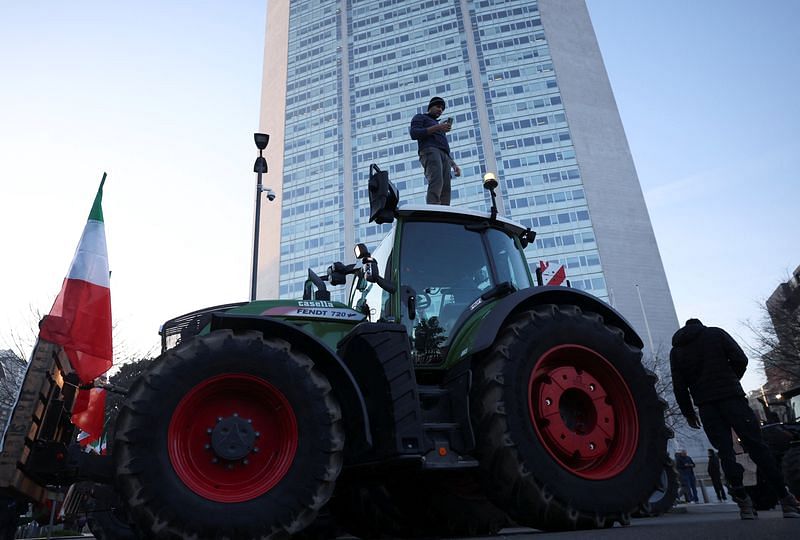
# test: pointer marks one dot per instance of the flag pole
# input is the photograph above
(646, 324)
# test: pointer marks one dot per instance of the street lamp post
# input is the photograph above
(260, 167)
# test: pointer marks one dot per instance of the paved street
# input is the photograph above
(702, 521)
(687, 522)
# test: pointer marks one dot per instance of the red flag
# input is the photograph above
(88, 413)
(552, 276)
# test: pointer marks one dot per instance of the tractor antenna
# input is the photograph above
(490, 183)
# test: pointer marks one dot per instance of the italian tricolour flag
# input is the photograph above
(80, 320)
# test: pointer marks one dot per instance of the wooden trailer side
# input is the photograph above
(42, 412)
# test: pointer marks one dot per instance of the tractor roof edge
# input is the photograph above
(431, 209)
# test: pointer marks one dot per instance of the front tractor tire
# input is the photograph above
(230, 435)
(570, 431)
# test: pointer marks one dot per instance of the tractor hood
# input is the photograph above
(332, 319)
(309, 310)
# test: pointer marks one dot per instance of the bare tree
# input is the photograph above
(12, 370)
(776, 340)
(22, 339)
(658, 363)
(123, 379)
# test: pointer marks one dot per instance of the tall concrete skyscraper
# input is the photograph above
(526, 86)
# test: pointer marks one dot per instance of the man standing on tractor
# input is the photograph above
(434, 151)
(707, 365)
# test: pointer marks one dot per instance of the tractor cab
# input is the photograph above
(436, 267)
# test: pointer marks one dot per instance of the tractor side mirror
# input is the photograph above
(372, 275)
(371, 272)
(370, 269)
(527, 237)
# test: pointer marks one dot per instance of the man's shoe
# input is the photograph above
(790, 506)
(746, 508)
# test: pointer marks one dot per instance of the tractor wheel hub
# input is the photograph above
(233, 438)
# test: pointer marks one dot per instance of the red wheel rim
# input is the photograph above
(232, 397)
(583, 412)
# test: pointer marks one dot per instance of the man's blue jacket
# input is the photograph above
(418, 131)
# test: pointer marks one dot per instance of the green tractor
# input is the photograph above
(450, 396)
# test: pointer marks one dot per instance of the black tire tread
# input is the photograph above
(501, 463)
(132, 426)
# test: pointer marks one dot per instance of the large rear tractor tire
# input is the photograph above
(230, 435)
(570, 431)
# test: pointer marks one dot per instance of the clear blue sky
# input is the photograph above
(164, 96)
(708, 94)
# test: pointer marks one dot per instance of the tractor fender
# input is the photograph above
(345, 388)
(534, 296)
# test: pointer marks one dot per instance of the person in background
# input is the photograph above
(685, 466)
(434, 151)
(715, 473)
(706, 365)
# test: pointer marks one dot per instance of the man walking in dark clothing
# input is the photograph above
(685, 466)
(434, 151)
(715, 474)
(707, 365)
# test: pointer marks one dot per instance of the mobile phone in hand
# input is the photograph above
(449, 120)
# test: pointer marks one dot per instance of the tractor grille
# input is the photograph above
(175, 331)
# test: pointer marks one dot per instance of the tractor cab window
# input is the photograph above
(372, 298)
(446, 266)
(508, 260)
